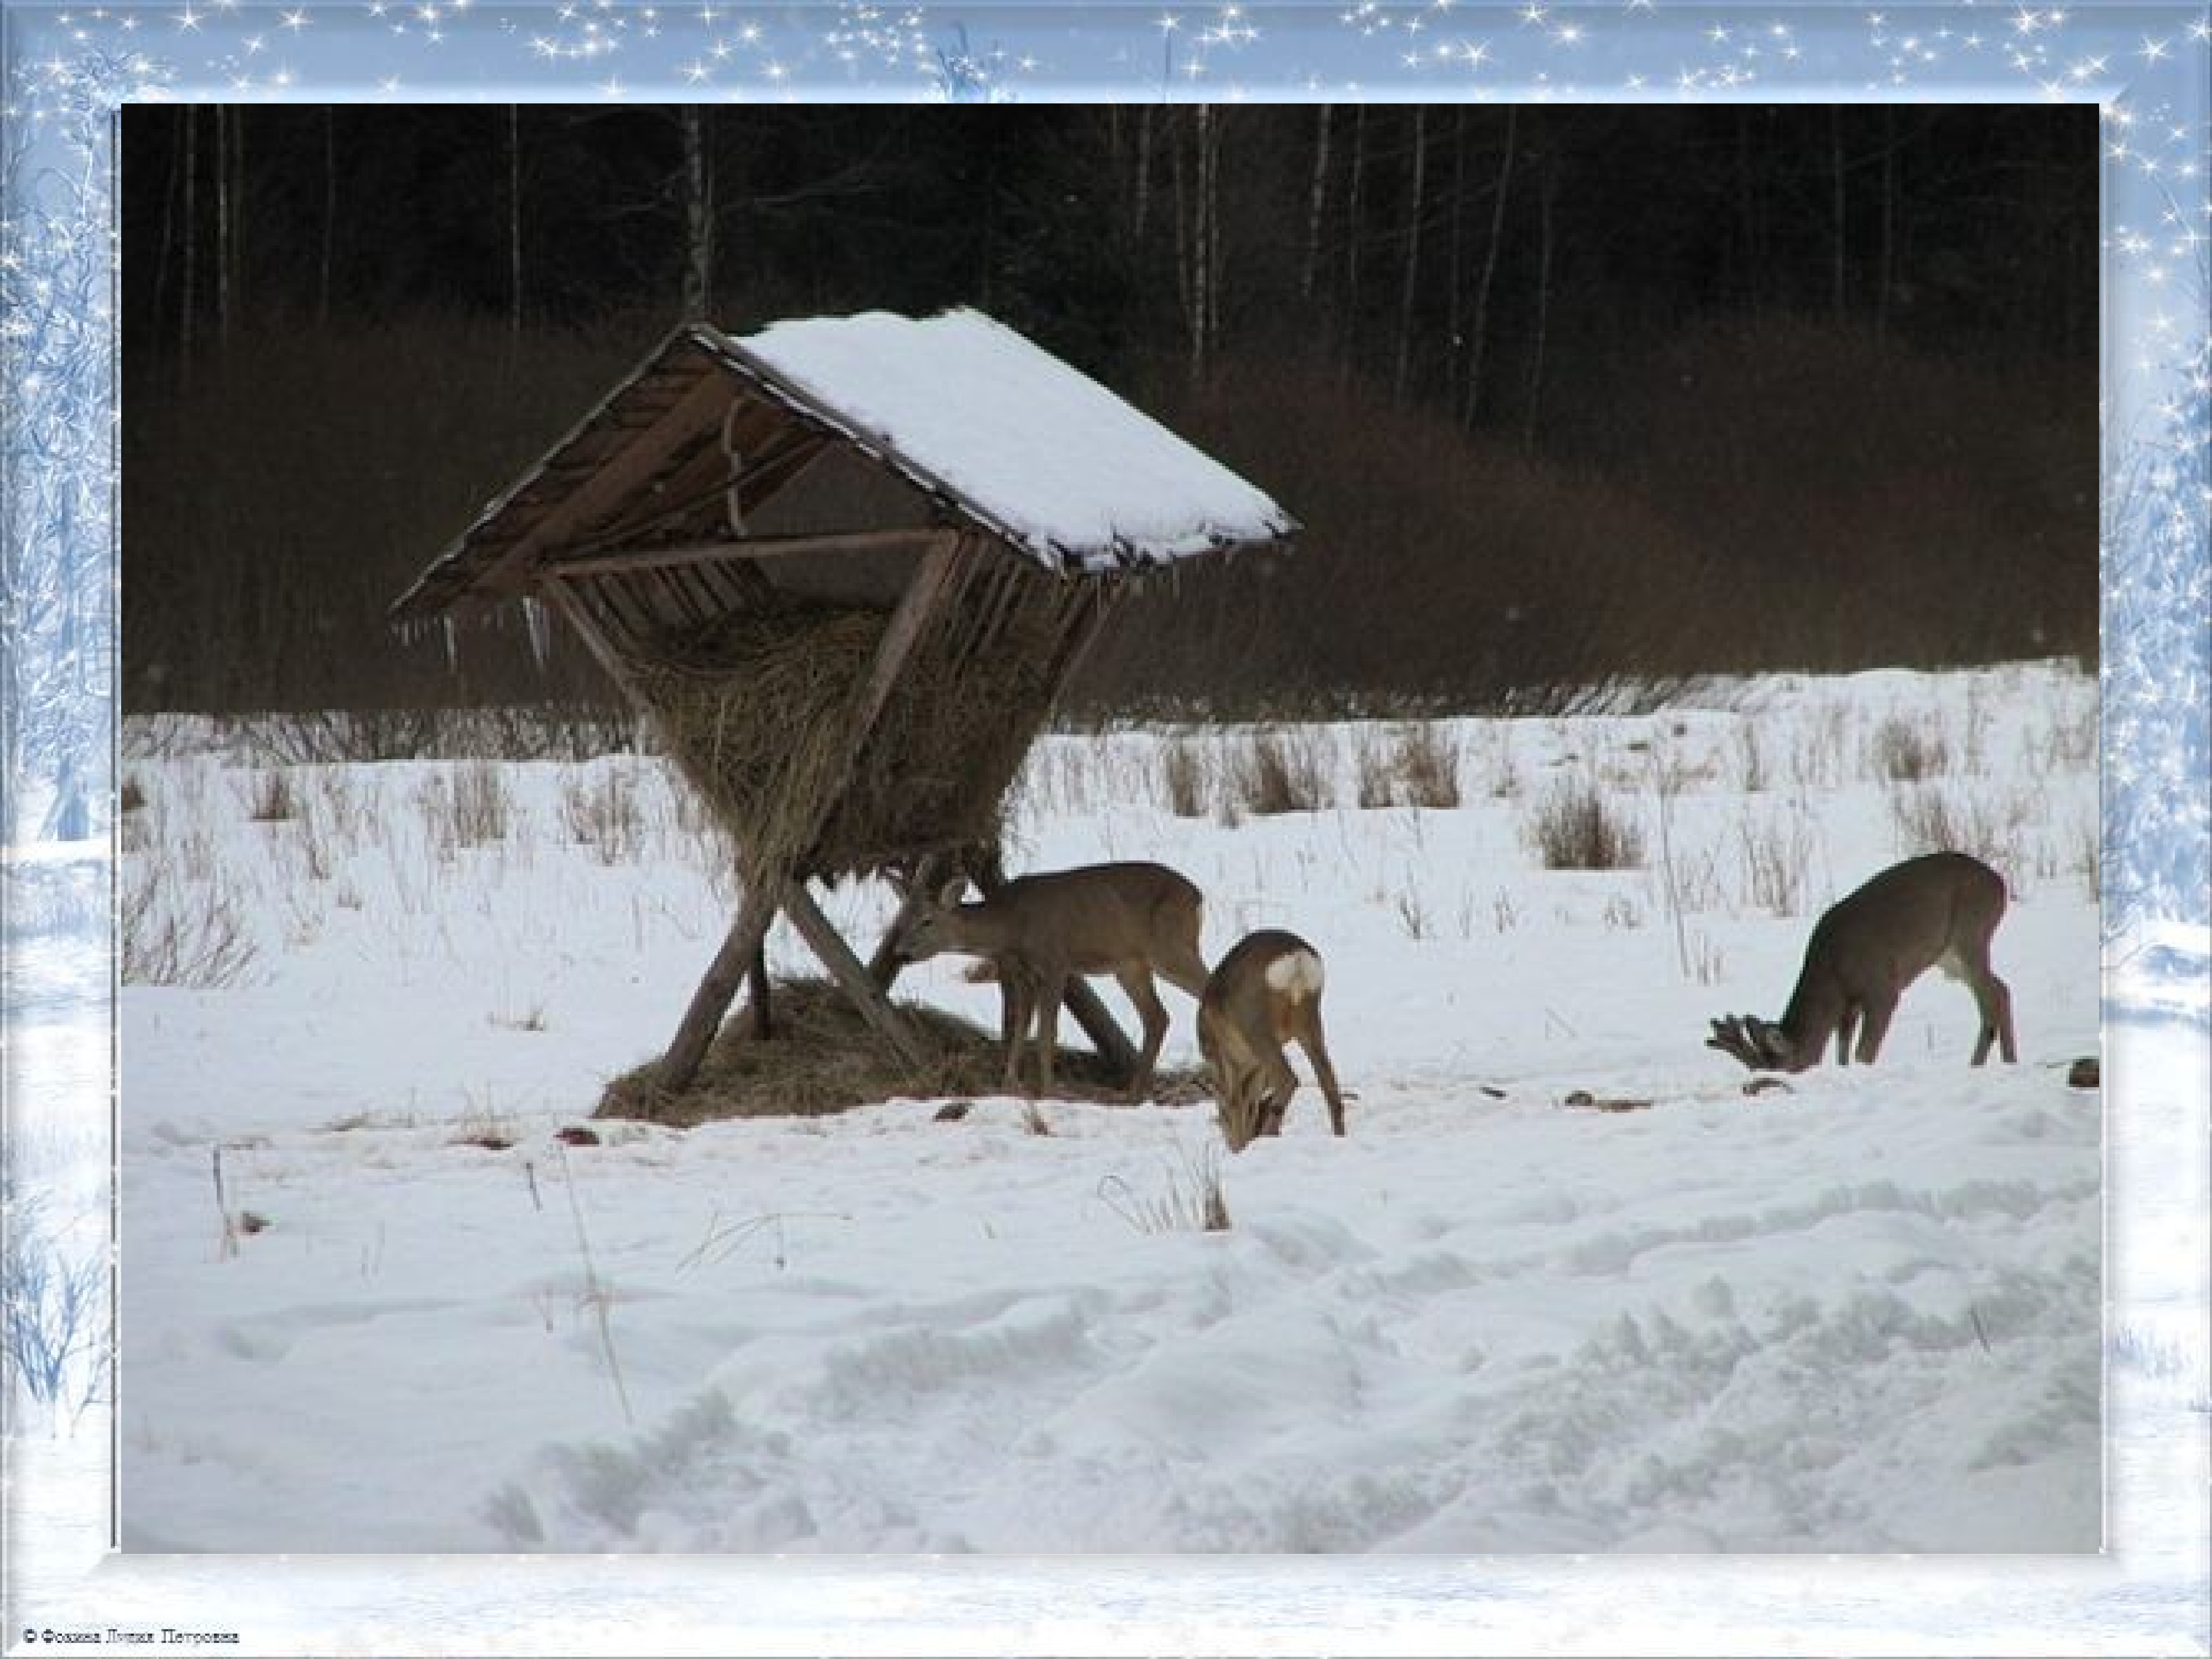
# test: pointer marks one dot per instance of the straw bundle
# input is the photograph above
(758, 712)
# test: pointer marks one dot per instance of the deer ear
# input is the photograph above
(949, 895)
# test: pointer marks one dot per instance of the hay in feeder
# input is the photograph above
(937, 768)
(822, 1058)
(756, 711)
(759, 711)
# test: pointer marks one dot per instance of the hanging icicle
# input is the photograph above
(452, 646)
(541, 631)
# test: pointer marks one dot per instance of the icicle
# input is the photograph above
(541, 631)
(452, 646)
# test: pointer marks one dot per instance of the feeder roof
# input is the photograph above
(1051, 460)
(998, 434)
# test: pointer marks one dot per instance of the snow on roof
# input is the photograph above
(1055, 462)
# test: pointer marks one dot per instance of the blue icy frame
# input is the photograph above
(2148, 68)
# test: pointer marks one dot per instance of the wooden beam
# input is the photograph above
(761, 484)
(703, 479)
(750, 547)
(756, 1009)
(926, 592)
(629, 469)
(824, 940)
(717, 989)
(917, 607)
(563, 599)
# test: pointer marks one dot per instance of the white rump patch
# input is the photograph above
(1297, 975)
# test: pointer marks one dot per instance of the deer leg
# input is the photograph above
(1050, 992)
(1993, 997)
(1137, 984)
(1846, 1028)
(1874, 1026)
(1017, 1008)
(1324, 1073)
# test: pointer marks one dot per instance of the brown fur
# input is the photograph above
(1243, 1022)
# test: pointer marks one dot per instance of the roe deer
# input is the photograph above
(1131, 920)
(1936, 911)
(1264, 993)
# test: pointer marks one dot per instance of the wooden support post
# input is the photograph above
(713, 997)
(757, 1004)
(719, 987)
(824, 939)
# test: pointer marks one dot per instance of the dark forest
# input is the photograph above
(1563, 397)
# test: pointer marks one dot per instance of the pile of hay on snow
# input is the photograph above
(821, 1057)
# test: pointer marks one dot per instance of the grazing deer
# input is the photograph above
(1264, 993)
(1131, 920)
(1936, 911)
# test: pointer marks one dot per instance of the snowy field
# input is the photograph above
(1862, 1315)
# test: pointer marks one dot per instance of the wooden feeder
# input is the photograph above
(845, 564)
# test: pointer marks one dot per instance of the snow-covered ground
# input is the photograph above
(1714, 1322)
(1862, 1315)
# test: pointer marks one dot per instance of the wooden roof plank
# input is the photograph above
(750, 547)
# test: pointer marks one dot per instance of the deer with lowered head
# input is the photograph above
(1937, 911)
(1266, 992)
(1131, 920)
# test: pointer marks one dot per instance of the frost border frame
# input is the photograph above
(68, 69)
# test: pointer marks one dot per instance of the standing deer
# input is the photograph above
(1266, 992)
(1936, 911)
(1131, 920)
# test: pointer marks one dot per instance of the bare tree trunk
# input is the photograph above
(1747, 211)
(1412, 254)
(1351, 308)
(237, 214)
(1185, 298)
(698, 215)
(1317, 199)
(329, 211)
(1144, 174)
(1214, 129)
(1885, 272)
(1836, 174)
(1196, 182)
(1548, 193)
(191, 244)
(223, 120)
(515, 222)
(1453, 263)
(169, 224)
(1477, 336)
(1198, 235)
